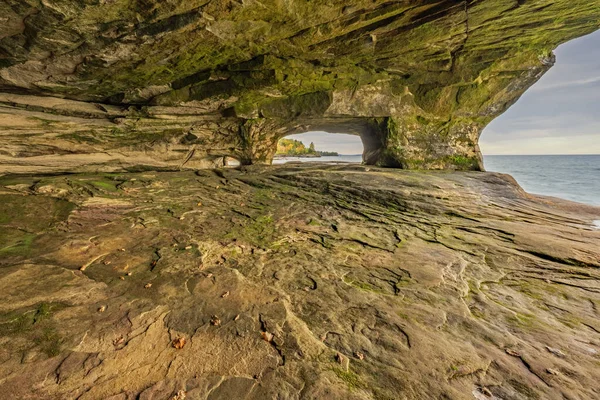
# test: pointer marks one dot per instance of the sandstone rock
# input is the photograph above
(481, 267)
(89, 86)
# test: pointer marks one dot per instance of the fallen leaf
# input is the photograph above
(267, 336)
(215, 321)
(512, 353)
(118, 341)
(178, 343)
(554, 351)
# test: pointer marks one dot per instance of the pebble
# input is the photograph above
(215, 321)
(225, 294)
(147, 286)
(102, 309)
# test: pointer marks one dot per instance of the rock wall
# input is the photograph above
(117, 84)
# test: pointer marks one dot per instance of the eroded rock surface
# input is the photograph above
(116, 84)
(295, 282)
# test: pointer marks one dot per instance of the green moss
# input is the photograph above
(35, 325)
(110, 186)
(16, 243)
(362, 285)
(350, 378)
(260, 231)
(49, 341)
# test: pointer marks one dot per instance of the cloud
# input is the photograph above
(565, 84)
(559, 114)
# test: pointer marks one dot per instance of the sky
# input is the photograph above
(560, 114)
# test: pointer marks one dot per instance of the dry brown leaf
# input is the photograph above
(513, 353)
(178, 343)
(267, 336)
(118, 341)
(215, 321)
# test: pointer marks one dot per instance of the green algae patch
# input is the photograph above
(350, 378)
(23, 218)
(36, 325)
(260, 231)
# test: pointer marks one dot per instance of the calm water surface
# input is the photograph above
(575, 178)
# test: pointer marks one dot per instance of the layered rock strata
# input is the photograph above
(114, 85)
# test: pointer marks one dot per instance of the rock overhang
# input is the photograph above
(137, 80)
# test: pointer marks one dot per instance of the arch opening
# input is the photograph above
(320, 146)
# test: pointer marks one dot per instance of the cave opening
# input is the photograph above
(320, 146)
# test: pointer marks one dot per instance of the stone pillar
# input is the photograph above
(258, 141)
(415, 143)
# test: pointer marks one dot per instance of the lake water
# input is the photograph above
(575, 178)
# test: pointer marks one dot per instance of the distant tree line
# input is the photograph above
(295, 148)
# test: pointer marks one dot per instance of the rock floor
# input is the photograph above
(295, 282)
